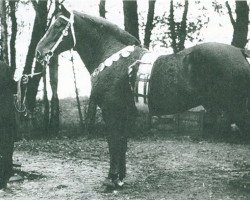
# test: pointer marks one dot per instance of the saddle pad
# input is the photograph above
(142, 81)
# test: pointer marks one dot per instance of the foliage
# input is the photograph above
(218, 7)
(194, 25)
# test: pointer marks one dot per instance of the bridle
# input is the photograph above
(70, 25)
(65, 32)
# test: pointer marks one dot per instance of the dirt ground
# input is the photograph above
(158, 168)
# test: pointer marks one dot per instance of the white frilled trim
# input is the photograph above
(115, 57)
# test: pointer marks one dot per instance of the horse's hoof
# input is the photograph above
(120, 183)
(109, 183)
(3, 184)
(15, 178)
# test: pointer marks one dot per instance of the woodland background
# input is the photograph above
(162, 26)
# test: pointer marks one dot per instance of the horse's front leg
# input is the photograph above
(128, 129)
(117, 142)
(117, 150)
(91, 113)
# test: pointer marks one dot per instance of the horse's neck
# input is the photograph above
(94, 56)
(93, 51)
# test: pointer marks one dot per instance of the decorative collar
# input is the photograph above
(125, 52)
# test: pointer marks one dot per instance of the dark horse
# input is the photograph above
(7, 123)
(214, 75)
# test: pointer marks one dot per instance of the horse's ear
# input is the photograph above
(61, 10)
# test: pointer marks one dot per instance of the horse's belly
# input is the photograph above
(172, 100)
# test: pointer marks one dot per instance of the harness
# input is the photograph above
(140, 85)
(125, 52)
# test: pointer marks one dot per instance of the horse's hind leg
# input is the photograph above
(242, 120)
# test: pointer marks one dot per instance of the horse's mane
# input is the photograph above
(113, 29)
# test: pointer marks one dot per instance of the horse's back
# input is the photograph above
(223, 54)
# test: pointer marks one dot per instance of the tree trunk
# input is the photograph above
(4, 32)
(12, 5)
(54, 106)
(131, 17)
(172, 25)
(46, 105)
(178, 31)
(39, 29)
(240, 25)
(102, 10)
(183, 28)
(149, 24)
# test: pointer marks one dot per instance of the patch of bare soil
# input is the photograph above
(158, 168)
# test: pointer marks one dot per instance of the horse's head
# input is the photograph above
(59, 37)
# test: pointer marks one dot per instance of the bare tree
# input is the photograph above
(46, 105)
(53, 71)
(178, 31)
(102, 10)
(4, 32)
(54, 104)
(240, 24)
(39, 29)
(149, 24)
(12, 5)
(131, 17)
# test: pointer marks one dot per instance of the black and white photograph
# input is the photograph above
(124, 100)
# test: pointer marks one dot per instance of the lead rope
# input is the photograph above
(20, 105)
